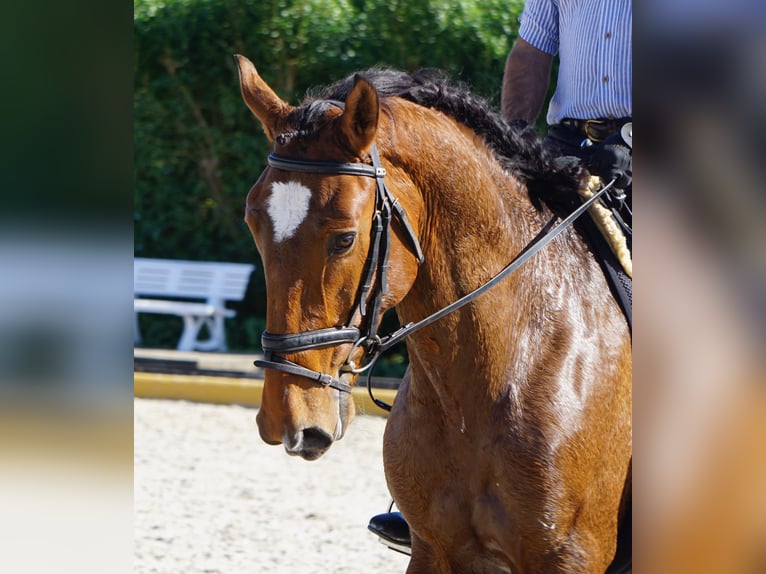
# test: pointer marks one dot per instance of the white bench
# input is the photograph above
(213, 283)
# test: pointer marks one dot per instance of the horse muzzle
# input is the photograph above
(309, 443)
(305, 420)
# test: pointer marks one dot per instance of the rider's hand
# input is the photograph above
(611, 159)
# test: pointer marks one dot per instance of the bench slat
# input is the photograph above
(180, 308)
(213, 282)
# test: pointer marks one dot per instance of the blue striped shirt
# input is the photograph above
(593, 39)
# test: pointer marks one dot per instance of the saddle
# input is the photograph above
(610, 246)
(603, 232)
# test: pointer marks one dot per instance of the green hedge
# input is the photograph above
(197, 147)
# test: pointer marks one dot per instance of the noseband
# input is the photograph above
(374, 283)
(376, 267)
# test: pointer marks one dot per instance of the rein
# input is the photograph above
(368, 301)
(546, 235)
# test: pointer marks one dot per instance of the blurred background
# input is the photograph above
(123, 130)
(700, 294)
(66, 249)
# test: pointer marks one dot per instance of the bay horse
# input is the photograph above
(508, 448)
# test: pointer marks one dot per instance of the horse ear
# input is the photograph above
(359, 121)
(260, 98)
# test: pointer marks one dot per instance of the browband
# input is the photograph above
(328, 167)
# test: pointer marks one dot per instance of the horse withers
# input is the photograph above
(508, 447)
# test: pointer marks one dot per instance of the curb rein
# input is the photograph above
(368, 301)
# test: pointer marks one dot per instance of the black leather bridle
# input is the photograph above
(374, 282)
(374, 278)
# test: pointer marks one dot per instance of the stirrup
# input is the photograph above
(393, 531)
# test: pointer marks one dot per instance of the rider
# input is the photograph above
(589, 115)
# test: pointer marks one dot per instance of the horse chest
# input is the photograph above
(462, 474)
(453, 468)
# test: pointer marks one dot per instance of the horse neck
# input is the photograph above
(465, 195)
(475, 219)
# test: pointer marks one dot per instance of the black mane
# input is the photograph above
(519, 150)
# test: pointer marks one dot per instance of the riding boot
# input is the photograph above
(392, 527)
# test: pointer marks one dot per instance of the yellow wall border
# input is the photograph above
(224, 390)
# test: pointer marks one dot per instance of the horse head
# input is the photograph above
(313, 215)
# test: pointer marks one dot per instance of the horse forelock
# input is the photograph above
(305, 120)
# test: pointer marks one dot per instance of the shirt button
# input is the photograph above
(608, 35)
(605, 79)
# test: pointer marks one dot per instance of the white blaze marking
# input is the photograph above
(287, 206)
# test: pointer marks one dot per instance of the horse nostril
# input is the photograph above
(315, 443)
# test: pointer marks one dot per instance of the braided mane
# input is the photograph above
(519, 150)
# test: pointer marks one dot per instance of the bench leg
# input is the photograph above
(188, 339)
(136, 331)
(217, 338)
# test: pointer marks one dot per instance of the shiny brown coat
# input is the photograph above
(508, 448)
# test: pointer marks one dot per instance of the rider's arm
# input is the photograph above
(525, 82)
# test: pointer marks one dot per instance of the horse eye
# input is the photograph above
(342, 242)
